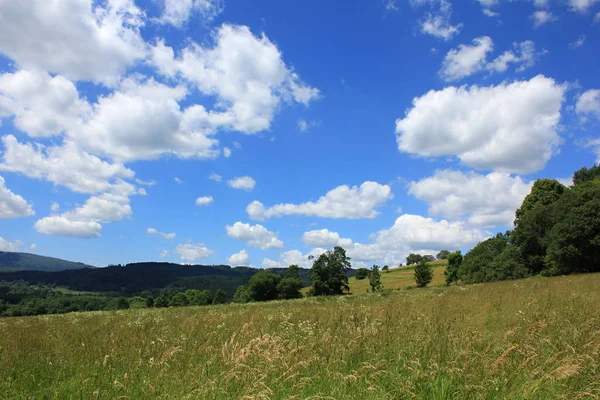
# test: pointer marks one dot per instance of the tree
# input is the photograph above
(328, 273)
(428, 258)
(413, 259)
(386, 269)
(179, 300)
(262, 286)
(586, 175)
(289, 287)
(122, 303)
(161, 301)
(375, 279)
(423, 274)
(361, 274)
(242, 295)
(443, 255)
(219, 297)
(454, 262)
(150, 302)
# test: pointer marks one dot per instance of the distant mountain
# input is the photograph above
(10, 261)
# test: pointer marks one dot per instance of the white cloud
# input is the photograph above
(145, 183)
(588, 104)
(594, 144)
(293, 257)
(255, 235)
(325, 238)
(215, 177)
(245, 73)
(65, 165)
(32, 246)
(305, 126)
(577, 43)
(191, 252)
(342, 202)
(63, 226)
(243, 182)
(542, 17)
(12, 205)
(437, 23)
(55, 207)
(226, 152)
(5, 245)
(582, 6)
(42, 105)
(204, 201)
(240, 258)
(141, 121)
(164, 254)
(178, 12)
(486, 200)
(511, 127)
(79, 39)
(167, 236)
(176, 179)
(466, 60)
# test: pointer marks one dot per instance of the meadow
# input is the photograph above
(530, 339)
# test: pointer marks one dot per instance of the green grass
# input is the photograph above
(530, 339)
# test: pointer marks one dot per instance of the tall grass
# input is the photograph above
(530, 339)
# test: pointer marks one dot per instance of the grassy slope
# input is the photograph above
(534, 339)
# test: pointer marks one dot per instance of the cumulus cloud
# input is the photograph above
(511, 127)
(588, 104)
(191, 252)
(240, 258)
(256, 235)
(5, 245)
(64, 226)
(42, 105)
(246, 74)
(167, 236)
(12, 205)
(485, 200)
(82, 39)
(178, 12)
(342, 202)
(325, 238)
(437, 22)
(215, 177)
(542, 17)
(204, 201)
(581, 6)
(243, 183)
(293, 257)
(467, 60)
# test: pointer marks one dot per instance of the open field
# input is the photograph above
(529, 339)
(399, 278)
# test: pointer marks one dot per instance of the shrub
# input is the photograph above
(423, 274)
(361, 274)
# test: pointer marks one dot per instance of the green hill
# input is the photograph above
(10, 261)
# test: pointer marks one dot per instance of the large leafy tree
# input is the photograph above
(443, 255)
(328, 273)
(454, 262)
(413, 259)
(262, 286)
(242, 295)
(290, 285)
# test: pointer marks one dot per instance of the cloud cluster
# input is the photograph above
(256, 235)
(12, 205)
(191, 252)
(342, 202)
(240, 258)
(167, 236)
(5, 245)
(178, 12)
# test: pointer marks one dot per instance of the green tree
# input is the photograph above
(375, 279)
(204, 298)
(423, 274)
(150, 302)
(361, 274)
(586, 175)
(454, 262)
(413, 259)
(161, 301)
(122, 303)
(443, 255)
(328, 273)
(289, 287)
(386, 269)
(428, 258)
(219, 297)
(179, 300)
(262, 286)
(242, 295)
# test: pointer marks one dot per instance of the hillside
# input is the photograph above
(504, 340)
(399, 278)
(10, 261)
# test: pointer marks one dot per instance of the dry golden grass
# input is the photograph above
(399, 278)
(530, 339)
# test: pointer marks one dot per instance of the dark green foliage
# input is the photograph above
(328, 273)
(361, 274)
(150, 302)
(263, 286)
(454, 262)
(122, 303)
(198, 297)
(375, 279)
(544, 192)
(290, 285)
(423, 274)
(179, 300)
(242, 295)
(413, 259)
(386, 269)
(12, 261)
(443, 255)
(428, 258)
(477, 262)
(219, 297)
(161, 301)
(586, 175)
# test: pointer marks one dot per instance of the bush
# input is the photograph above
(386, 269)
(262, 286)
(375, 279)
(219, 297)
(361, 274)
(242, 295)
(423, 274)
(454, 262)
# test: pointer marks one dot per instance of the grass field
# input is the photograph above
(529, 339)
(399, 278)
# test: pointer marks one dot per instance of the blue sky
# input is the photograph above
(258, 133)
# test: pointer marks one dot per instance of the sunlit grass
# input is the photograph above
(530, 339)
